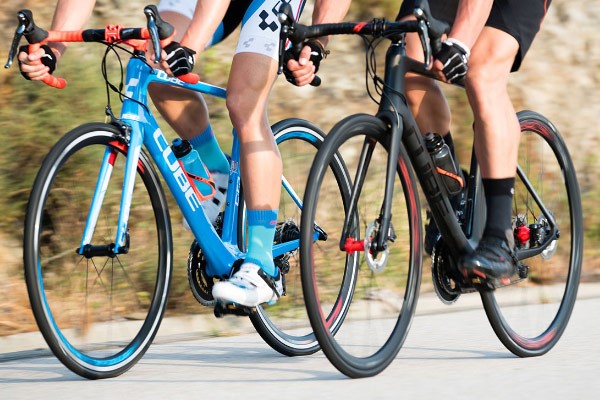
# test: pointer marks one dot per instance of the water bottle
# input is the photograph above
(192, 164)
(444, 161)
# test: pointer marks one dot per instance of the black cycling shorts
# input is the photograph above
(519, 18)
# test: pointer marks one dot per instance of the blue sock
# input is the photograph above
(261, 232)
(207, 146)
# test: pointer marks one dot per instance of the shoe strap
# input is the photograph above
(270, 280)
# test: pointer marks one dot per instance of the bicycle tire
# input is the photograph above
(100, 314)
(285, 326)
(530, 316)
(378, 296)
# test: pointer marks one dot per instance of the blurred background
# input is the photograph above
(559, 78)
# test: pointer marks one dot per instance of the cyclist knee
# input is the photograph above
(484, 87)
(243, 107)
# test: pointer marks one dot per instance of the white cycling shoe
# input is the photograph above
(212, 207)
(249, 286)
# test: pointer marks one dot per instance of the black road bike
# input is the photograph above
(379, 228)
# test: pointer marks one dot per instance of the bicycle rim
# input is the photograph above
(99, 314)
(374, 295)
(285, 325)
(529, 317)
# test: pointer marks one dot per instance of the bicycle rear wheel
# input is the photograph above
(285, 325)
(530, 316)
(97, 314)
(373, 293)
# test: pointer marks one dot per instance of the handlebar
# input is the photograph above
(430, 30)
(158, 31)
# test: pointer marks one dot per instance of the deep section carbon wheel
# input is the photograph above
(361, 292)
(530, 316)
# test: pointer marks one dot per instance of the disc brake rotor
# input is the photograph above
(376, 261)
(551, 248)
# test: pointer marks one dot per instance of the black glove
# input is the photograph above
(48, 59)
(317, 54)
(179, 58)
(454, 55)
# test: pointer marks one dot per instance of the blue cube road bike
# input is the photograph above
(98, 244)
(382, 225)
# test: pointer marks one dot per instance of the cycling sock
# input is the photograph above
(207, 146)
(498, 199)
(261, 232)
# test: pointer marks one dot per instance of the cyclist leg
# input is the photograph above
(497, 130)
(253, 72)
(496, 142)
(498, 51)
(258, 280)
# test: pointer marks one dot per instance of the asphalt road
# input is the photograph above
(452, 355)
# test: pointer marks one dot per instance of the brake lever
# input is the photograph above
(286, 20)
(424, 36)
(153, 30)
(15, 43)
(282, 39)
(27, 27)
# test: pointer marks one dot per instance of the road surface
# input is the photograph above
(452, 355)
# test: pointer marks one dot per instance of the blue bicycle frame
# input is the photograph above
(220, 252)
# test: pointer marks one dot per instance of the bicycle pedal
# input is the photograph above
(481, 284)
(223, 309)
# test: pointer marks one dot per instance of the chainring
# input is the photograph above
(446, 288)
(200, 283)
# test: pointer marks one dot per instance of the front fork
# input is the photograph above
(121, 243)
(384, 233)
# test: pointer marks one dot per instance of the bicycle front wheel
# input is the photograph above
(99, 313)
(285, 325)
(346, 277)
(530, 316)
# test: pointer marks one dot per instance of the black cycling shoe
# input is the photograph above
(491, 265)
